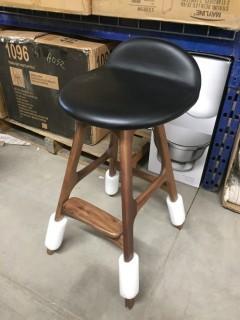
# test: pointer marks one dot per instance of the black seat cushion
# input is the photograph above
(135, 89)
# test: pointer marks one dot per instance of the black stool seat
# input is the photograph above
(145, 83)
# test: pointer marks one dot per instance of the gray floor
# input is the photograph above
(189, 274)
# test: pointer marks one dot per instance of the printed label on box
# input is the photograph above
(44, 80)
(207, 10)
(143, 5)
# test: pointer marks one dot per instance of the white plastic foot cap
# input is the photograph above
(55, 233)
(129, 277)
(111, 183)
(176, 211)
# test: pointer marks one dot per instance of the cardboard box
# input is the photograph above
(219, 13)
(35, 67)
(71, 6)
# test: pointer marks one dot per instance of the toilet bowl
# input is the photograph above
(186, 147)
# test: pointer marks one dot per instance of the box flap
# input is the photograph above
(20, 35)
(61, 41)
(73, 6)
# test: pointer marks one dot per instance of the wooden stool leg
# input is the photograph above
(114, 153)
(112, 176)
(57, 222)
(128, 263)
(70, 177)
(162, 147)
(174, 201)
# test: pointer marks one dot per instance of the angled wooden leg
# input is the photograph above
(57, 222)
(114, 153)
(129, 208)
(174, 202)
(70, 177)
(162, 147)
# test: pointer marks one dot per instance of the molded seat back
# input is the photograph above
(157, 58)
(145, 83)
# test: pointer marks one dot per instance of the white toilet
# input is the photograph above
(189, 136)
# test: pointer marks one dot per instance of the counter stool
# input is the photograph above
(145, 84)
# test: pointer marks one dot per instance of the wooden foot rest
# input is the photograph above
(95, 217)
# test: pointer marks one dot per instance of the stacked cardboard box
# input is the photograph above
(71, 6)
(35, 66)
(219, 13)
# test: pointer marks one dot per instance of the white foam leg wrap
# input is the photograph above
(111, 183)
(55, 232)
(176, 211)
(129, 277)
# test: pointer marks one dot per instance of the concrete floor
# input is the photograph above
(189, 274)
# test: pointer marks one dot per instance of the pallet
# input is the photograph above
(55, 144)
